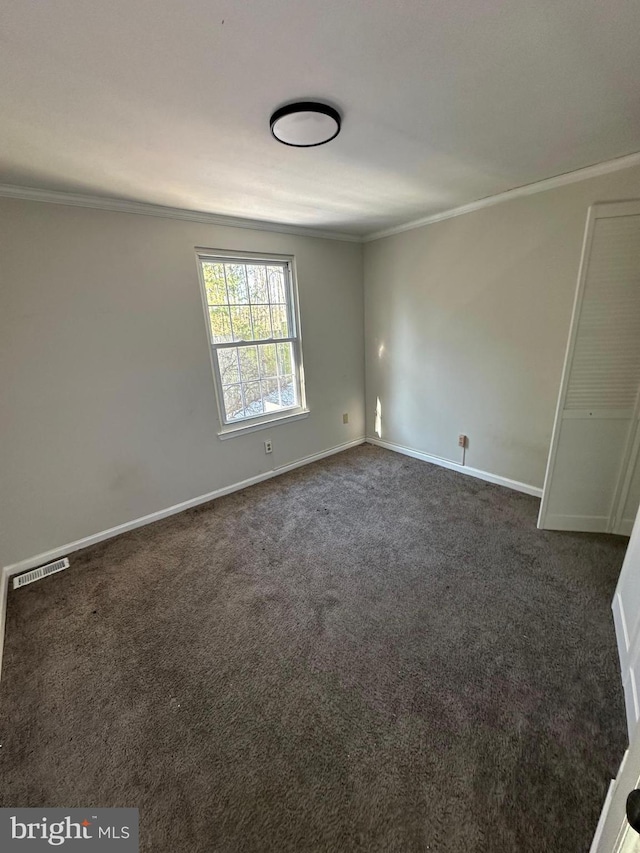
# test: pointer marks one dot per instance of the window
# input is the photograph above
(252, 317)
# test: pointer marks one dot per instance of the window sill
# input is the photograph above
(241, 429)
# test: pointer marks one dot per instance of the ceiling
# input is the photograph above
(444, 101)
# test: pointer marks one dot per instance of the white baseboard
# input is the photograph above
(603, 817)
(94, 539)
(585, 524)
(626, 526)
(622, 633)
(578, 523)
(629, 685)
(462, 469)
(4, 588)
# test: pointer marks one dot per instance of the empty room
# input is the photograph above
(320, 426)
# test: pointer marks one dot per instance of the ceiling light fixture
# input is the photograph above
(305, 124)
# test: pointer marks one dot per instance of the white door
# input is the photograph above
(614, 835)
(626, 617)
(593, 475)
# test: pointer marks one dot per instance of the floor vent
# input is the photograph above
(42, 572)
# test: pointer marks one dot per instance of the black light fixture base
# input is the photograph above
(305, 107)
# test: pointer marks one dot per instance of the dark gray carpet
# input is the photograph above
(366, 654)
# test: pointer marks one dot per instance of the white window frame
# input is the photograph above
(228, 429)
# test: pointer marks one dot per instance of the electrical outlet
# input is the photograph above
(268, 447)
(462, 440)
(345, 418)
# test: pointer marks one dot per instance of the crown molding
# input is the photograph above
(518, 192)
(144, 209)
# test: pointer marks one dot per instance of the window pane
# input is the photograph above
(268, 360)
(285, 358)
(257, 279)
(250, 302)
(279, 321)
(237, 283)
(220, 325)
(233, 402)
(288, 391)
(261, 322)
(271, 395)
(276, 284)
(248, 363)
(241, 320)
(253, 399)
(215, 287)
(228, 364)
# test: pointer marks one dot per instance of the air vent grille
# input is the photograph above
(41, 572)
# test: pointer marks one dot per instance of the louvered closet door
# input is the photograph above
(593, 475)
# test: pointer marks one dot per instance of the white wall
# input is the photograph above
(466, 324)
(108, 407)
